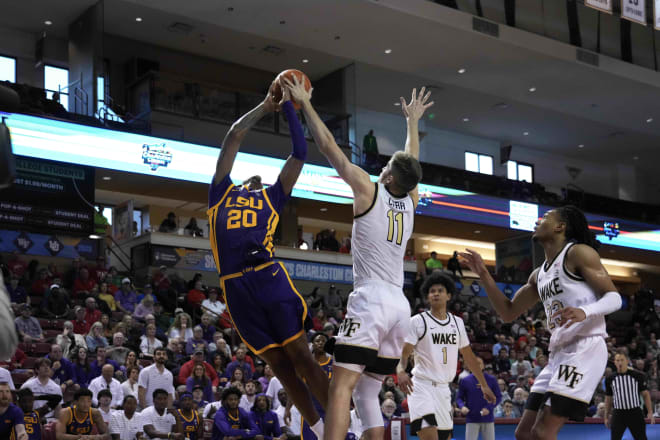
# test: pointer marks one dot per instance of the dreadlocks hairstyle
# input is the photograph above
(577, 227)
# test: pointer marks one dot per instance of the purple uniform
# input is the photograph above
(8, 420)
(266, 308)
(306, 432)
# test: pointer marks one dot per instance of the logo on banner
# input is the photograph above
(53, 245)
(508, 291)
(23, 242)
(634, 10)
(156, 155)
(475, 287)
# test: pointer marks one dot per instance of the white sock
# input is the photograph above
(318, 429)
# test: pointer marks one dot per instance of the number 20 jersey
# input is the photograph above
(380, 236)
(558, 288)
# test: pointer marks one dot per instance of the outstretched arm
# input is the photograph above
(413, 113)
(235, 135)
(354, 176)
(294, 164)
(525, 298)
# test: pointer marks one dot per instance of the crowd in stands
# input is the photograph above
(85, 325)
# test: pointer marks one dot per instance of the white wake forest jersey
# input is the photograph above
(436, 346)
(380, 236)
(558, 288)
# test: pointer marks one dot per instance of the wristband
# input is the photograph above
(608, 303)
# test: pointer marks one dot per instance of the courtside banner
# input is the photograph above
(634, 10)
(601, 5)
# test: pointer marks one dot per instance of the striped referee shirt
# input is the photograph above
(625, 389)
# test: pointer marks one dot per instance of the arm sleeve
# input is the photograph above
(224, 426)
(217, 191)
(461, 394)
(296, 130)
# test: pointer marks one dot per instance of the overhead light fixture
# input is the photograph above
(305, 61)
(95, 237)
(323, 209)
(466, 119)
(138, 19)
(525, 133)
(581, 146)
(48, 22)
(107, 178)
(649, 120)
(397, 104)
(461, 70)
(635, 157)
(532, 89)
(388, 51)
(477, 232)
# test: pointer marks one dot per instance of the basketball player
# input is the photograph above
(436, 337)
(77, 421)
(577, 293)
(193, 427)
(31, 418)
(371, 336)
(268, 312)
(11, 417)
(320, 356)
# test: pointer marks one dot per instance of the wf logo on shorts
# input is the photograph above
(348, 327)
(156, 155)
(569, 375)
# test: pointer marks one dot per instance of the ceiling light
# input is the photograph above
(48, 22)
(477, 232)
(461, 70)
(431, 115)
(532, 89)
(649, 120)
(95, 237)
(397, 104)
(635, 157)
(107, 178)
(323, 209)
(138, 19)
(581, 146)
(466, 119)
(305, 61)
(388, 51)
(525, 133)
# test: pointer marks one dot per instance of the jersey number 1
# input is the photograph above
(398, 219)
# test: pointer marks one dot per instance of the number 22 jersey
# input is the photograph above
(242, 224)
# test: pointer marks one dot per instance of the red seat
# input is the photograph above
(145, 362)
(41, 348)
(57, 324)
(51, 334)
(35, 301)
(44, 323)
(29, 362)
(20, 378)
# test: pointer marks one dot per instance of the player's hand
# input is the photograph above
(297, 89)
(488, 394)
(606, 422)
(418, 105)
(269, 103)
(650, 416)
(286, 96)
(473, 260)
(465, 410)
(569, 316)
(484, 412)
(405, 384)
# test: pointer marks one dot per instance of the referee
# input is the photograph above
(623, 389)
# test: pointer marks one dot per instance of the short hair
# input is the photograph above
(160, 349)
(256, 179)
(22, 393)
(158, 391)
(104, 393)
(126, 398)
(406, 170)
(41, 361)
(229, 391)
(83, 392)
(438, 277)
(509, 401)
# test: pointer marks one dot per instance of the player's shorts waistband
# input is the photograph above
(431, 382)
(576, 340)
(248, 269)
(371, 282)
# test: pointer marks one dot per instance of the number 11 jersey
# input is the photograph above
(380, 236)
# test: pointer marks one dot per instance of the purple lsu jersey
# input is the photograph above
(190, 425)
(242, 224)
(81, 427)
(32, 424)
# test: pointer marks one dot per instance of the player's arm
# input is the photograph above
(473, 364)
(524, 299)
(101, 426)
(294, 164)
(354, 176)
(236, 134)
(608, 411)
(413, 113)
(583, 260)
(649, 405)
(60, 428)
(142, 396)
(405, 384)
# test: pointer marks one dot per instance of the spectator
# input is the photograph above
(387, 408)
(370, 148)
(208, 330)
(126, 424)
(516, 369)
(432, 263)
(125, 298)
(151, 319)
(69, 340)
(44, 387)
(13, 424)
(83, 284)
(101, 359)
(508, 411)
(181, 327)
(28, 326)
(106, 296)
(155, 377)
(130, 362)
(212, 305)
(265, 419)
(478, 412)
(130, 386)
(218, 364)
(163, 320)
(107, 326)
(249, 398)
(42, 282)
(168, 225)
(533, 349)
(345, 245)
(17, 293)
(17, 265)
(149, 343)
(113, 278)
(389, 385)
(106, 381)
(519, 399)
(176, 356)
(80, 326)
(192, 228)
(146, 307)
(267, 376)
(117, 352)
(541, 362)
(158, 421)
(197, 341)
(240, 425)
(100, 271)
(199, 378)
(332, 302)
(239, 362)
(13, 363)
(502, 362)
(319, 320)
(453, 265)
(63, 372)
(221, 346)
(95, 337)
(5, 376)
(187, 368)
(146, 290)
(81, 367)
(92, 314)
(196, 296)
(55, 304)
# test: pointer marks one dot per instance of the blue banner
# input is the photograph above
(29, 243)
(321, 272)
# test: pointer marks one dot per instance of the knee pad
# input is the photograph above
(365, 397)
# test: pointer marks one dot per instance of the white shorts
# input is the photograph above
(372, 335)
(430, 405)
(572, 373)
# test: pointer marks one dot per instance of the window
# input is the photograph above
(479, 163)
(55, 79)
(520, 171)
(7, 69)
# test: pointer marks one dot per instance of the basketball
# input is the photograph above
(276, 89)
